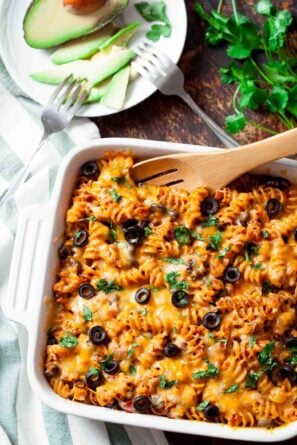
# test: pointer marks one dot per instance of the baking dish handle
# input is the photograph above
(27, 265)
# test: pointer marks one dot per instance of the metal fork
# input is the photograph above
(56, 115)
(169, 79)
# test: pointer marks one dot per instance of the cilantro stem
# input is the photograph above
(286, 120)
(235, 11)
(261, 127)
(220, 5)
(263, 75)
(236, 92)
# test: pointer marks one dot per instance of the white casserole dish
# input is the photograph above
(33, 269)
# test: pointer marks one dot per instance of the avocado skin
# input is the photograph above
(63, 38)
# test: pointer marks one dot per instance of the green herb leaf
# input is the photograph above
(235, 123)
(208, 281)
(171, 278)
(215, 240)
(268, 287)
(132, 370)
(277, 100)
(158, 31)
(276, 28)
(292, 102)
(94, 372)
(197, 236)
(68, 340)
(203, 405)
(212, 371)
(131, 350)
(88, 315)
(212, 221)
(251, 96)
(258, 266)
(115, 196)
(252, 379)
(265, 234)
(108, 287)
(165, 384)
(104, 364)
(264, 7)
(265, 356)
(153, 11)
(182, 235)
(147, 231)
(119, 179)
(88, 218)
(232, 388)
(144, 312)
(174, 261)
(112, 235)
(77, 234)
(223, 252)
(252, 340)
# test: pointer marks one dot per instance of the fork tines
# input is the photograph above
(69, 95)
(151, 62)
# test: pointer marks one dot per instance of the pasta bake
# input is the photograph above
(175, 303)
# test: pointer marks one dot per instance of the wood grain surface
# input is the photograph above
(168, 119)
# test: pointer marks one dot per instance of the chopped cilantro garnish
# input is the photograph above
(108, 287)
(174, 260)
(197, 236)
(171, 278)
(252, 340)
(210, 222)
(155, 12)
(265, 356)
(112, 234)
(165, 384)
(131, 350)
(104, 364)
(182, 235)
(265, 234)
(88, 218)
(119, 179)
(132, 370)
(257, 266)
(232, 388)
(115, 196)
(215, 240)
(93, 372)
(210, 372)
(88, 315)
(144, 312)
(252, 379)
(203, 405)
(223, 252)
(68, 340)
(147, 231)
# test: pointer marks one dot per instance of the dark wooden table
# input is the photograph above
(168, 119)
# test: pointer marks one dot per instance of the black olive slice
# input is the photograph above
(231, 274)
(80, 238)
(277, 182)
(211, 320)
(180, 298)
(171, 350)
(94, 379)
(291, 342)
(97, 335)
(143, 295)
(64, 252)
(86, 291)
(89, 169)
(281, 372)
(52, 372)
(295, 234)
(209, 206)
(129, 223)
(111, 367)
(273, 207)
(134, 235)
(142, 404)
(211, 411)
(113, 405)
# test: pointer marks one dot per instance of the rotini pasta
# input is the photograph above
(175, 303)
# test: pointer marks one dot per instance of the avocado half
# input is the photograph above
(48, 23)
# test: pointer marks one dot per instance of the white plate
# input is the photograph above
(21, 60)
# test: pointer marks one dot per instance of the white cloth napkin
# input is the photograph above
(24, 420)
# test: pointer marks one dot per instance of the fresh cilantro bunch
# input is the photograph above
(155, 12)
(270, 83)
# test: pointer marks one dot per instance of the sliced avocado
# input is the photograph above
(120, 38)
(84, 47)
(95, 70)
(97, 92)
(114, 96)
(48, 23)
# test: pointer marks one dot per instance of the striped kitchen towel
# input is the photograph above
(24, 420)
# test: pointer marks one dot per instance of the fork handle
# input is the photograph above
(21, 176)
(227, 140)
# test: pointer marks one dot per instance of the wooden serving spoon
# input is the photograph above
(214, 169)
